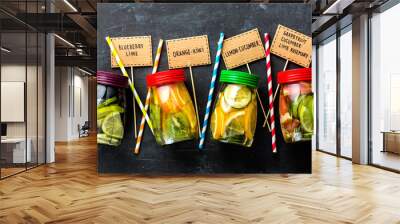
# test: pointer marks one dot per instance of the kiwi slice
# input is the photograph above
(177, 128)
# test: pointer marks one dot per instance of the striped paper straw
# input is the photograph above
(210, 93)
(125, 73)
(146, 106)
(270, 91)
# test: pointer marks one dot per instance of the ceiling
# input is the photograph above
(75, 22)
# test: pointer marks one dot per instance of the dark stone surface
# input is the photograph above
(169, 21)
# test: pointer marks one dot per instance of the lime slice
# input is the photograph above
(306, 114)
(295, 105)
(104, 111)
(307, 136)
(237, 96)
(107, 102)
(112, 125)
(100, 122)
(107, 140)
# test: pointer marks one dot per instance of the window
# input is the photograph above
(345, 59)
(385, 89)
(326, 136)
(22, 76)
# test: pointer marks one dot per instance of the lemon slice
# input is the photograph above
(180, 95)
(112, 125)
(237, 96)
(216, 123)
(250, 121)
(234, 124)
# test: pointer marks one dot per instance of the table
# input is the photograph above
(391, 141)
(17, 150)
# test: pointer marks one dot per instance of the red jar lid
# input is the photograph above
(165, 77)
(294, 75)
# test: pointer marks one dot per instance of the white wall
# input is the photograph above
(33, 127)
(61, 103)
(71, 93)
(16, 73)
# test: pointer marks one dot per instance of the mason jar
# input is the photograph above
(234, 117)
(296, 105)
(110, 107)
(171, 109)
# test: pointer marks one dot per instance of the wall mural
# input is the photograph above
(204, 88)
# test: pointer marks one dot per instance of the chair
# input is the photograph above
(84, 130)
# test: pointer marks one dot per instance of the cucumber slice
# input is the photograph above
(237, 96)
(224, 105)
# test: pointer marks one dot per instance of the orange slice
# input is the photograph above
(216, 123)
(250, 120)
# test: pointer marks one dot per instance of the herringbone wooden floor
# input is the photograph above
(70, 191)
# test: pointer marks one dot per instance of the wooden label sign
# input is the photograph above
(242, 49)
(292, 45)
(190, 51)
(133, 51)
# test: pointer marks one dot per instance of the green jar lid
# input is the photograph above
(238, 77)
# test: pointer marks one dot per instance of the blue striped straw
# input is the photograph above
(210, 93)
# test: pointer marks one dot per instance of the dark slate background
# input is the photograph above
(169, 21)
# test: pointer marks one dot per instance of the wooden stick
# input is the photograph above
(276, 92)
(134, 106)
(195, 100)
(259, 99)
(286, 64)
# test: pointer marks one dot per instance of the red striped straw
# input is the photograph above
(270, 91)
